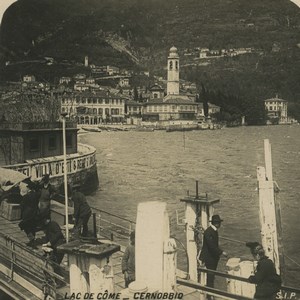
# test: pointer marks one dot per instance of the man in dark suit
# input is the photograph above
(211, 252)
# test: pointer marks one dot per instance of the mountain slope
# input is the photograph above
(131, 33)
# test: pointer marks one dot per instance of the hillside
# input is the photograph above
(138, 34)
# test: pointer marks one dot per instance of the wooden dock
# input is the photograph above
(12, 230)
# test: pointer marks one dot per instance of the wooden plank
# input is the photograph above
(279, 239)
(23, 282)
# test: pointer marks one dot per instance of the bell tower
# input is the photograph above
(173, 72)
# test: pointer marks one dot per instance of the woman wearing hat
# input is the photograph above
(267, 281)
(211, 252)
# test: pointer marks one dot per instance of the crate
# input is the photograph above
(4, 208)
(11, 211)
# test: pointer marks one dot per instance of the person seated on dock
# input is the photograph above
(29, 210)
(53, 238)
(211, 252)
(47, 192)
(82, 213)
(267, 281)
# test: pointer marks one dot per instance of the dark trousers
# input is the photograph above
(212, 265)
(81, 226)
(128, 280)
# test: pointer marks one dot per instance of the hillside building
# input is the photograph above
(277, 110)
(29, 78)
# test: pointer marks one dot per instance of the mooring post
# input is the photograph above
(267, 211)
(198, 210)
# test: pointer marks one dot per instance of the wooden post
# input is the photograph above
(191, 247)
(78, 282)
(246, 270)
(170, 266)
(100, 275)
(152, 230)
(198, 211)
(234, 286)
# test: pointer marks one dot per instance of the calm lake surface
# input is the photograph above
(134, 167)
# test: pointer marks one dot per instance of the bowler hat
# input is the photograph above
(216, 219)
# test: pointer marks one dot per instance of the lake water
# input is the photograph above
(143, 166)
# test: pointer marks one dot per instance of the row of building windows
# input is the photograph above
(165, 108)
(95, 111)
(94, 101)
(274, 102)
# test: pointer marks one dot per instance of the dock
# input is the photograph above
(20, 286)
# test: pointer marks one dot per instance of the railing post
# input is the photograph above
(95, 225)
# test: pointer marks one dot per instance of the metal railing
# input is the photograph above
(26, 267)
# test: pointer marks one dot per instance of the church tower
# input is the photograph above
(173, 72)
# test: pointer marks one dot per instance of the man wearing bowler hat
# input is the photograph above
(211, 252)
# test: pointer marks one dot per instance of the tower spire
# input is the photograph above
(173, 72)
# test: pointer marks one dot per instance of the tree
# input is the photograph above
(135, 94)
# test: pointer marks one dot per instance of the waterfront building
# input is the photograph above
(133, 112)
(173, 106)
(94, 107)
(212, 109)
(277, 110)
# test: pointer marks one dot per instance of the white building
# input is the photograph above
(173, 72)
(277, 109)
(29, 78)
(173, 106)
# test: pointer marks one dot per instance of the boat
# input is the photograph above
(144, 129)
(39, 151)
(91, 129)
(93, 266)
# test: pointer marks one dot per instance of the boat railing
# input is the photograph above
(30, 270)
(117, 228)
(285, 290)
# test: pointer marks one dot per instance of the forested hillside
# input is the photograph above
(138, 34)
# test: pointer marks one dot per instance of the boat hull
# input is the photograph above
(82, 169)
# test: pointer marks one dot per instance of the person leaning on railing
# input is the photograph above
(267, 281)
(82, 214)
(211, 252)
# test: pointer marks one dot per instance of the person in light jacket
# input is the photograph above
(128, 261)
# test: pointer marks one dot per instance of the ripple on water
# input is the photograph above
(159, 166)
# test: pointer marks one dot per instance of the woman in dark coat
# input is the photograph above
(267, 281)
(29, 212)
